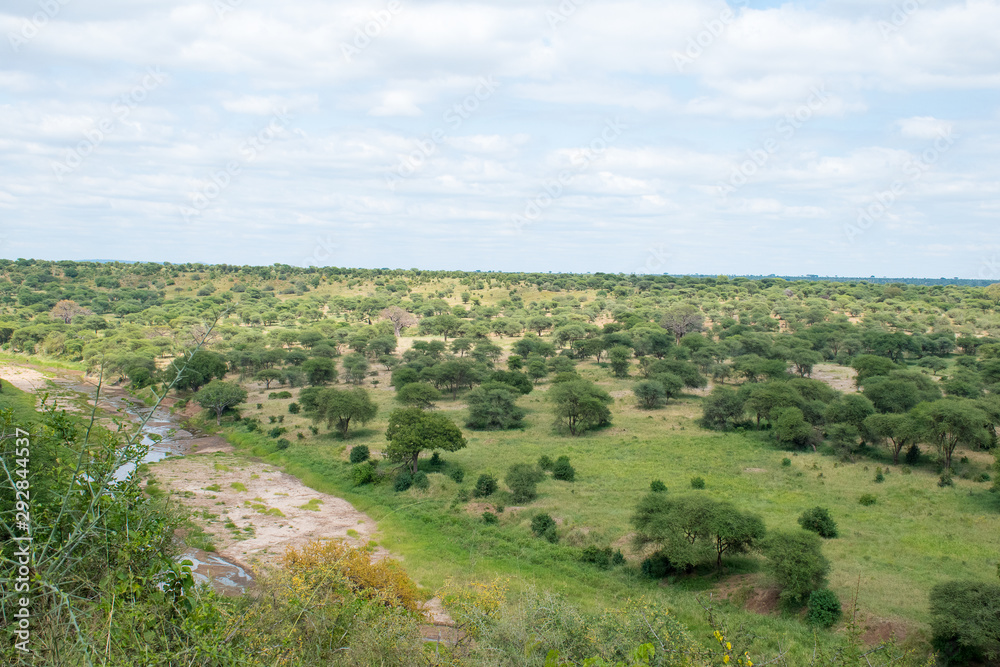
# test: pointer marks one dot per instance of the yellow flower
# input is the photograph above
(725, 660)
(729, 647)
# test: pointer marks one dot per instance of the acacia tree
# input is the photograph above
(690, 530)
(400, 318)
(951, 422)
(898, 431)
(218, 396)
(267, 376)
(581, 404)
(681, 320)
(340, 407)
(66, 310)
(411, 431)
(493, 406)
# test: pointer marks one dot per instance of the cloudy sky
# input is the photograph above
(845, 137)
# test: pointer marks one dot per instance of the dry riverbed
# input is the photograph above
(253, 511)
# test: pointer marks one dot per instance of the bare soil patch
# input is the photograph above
(750, 592)
(25, 379)
(840, 378)
(267, 510)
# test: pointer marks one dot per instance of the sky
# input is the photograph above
(840, 137)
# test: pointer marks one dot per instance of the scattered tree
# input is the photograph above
(219, 396)
(412, 431)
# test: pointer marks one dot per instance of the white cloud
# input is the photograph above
(749, 82)
(925, 127)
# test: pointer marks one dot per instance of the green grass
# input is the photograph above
(21, 402)
(238, 486)
(917, 535)
(312, 505)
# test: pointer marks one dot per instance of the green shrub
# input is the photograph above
(656, 566)
(279, 394)
(360, 453)
(796, 563)
(965, 621)
(485, 487)
(983, 477)
(604, 558)
(786, 462)
(879, 476)
(282, 444)
(867, 499)
(545, 463)
(260, 406)
(819, 521)
(364, 473)
(294, 408)
(697, 483)
(945, 480)
(420, 481)
(656, 486)
(522, 480)
(277, 431)
(403, 481)
(562, 470)
(435, 462)
(912, 457)
(457, 475)
(543, 525)
(490, 518)
(824, 608)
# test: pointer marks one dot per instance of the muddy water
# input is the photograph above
(170, 438)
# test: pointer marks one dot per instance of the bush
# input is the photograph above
(420, 481)
(786, 462)
(282, 444)
(493, 406)
(293, 408)
(656, 486)
(879, 477)
(279, 394)
(522, 480)
(796, 563)
(656, 566)
(912, 457)
(360, 454)
(403, 481)
(485, 487)
(457, 475)
(965, 620)
(435, 462)
(824, 608)
(867, 499)
(819, 521)
(545, 463)
(945, 480)
(490, 518)
(562, 470)
(543, 525)
(364, 473)
(277, 431)
(604, 559)
(697, 483)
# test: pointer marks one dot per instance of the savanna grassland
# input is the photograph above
(763, 398)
